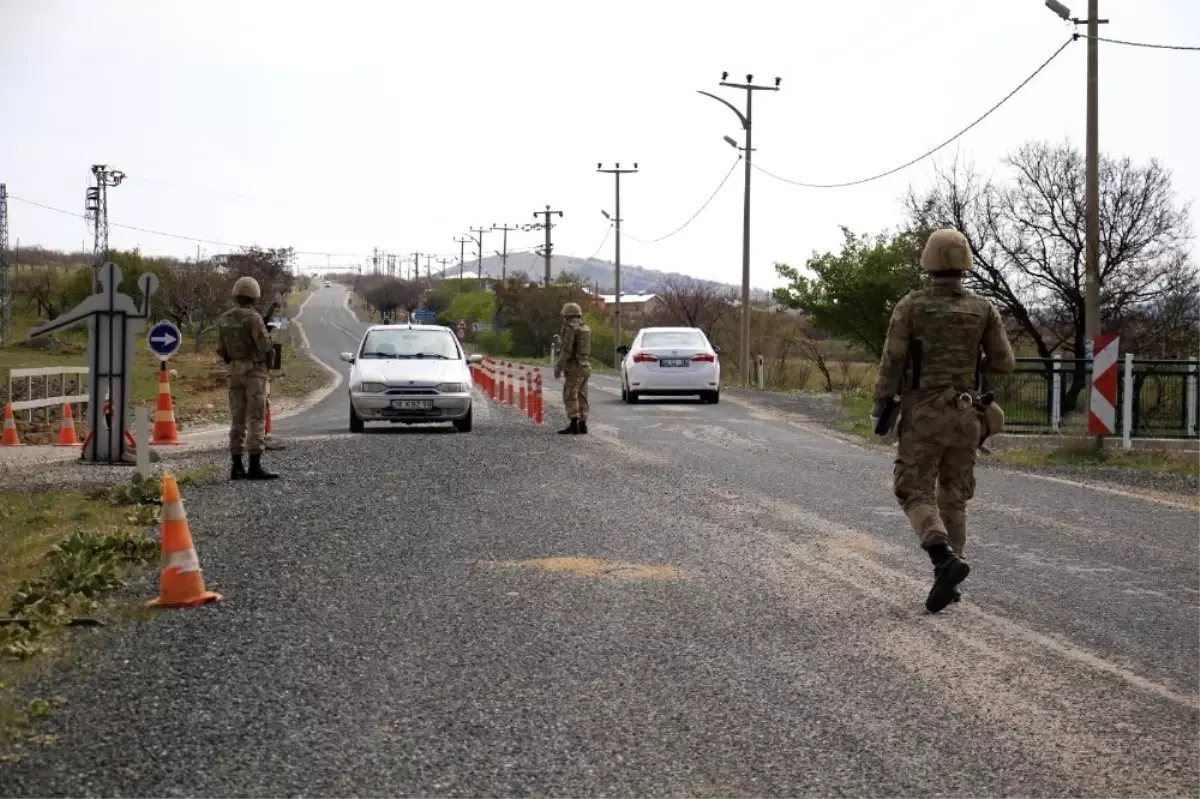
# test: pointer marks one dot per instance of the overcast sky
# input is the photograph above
(338, 127)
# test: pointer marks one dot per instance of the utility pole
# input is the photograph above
(374, 260)
(6, 320)
(1091, 187)
(616, 173)
(444, 262)
(479, 257)
(504, 249)
(416, 266)
(96, 212)
(746, 120)
(548, 250)
(429, 269)
(462, 254)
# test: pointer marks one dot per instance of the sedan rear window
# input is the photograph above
(411, 344)
(674, 338)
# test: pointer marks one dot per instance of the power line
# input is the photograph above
(925, 155)
(181, 236)
(693, 217)
(1140, 44)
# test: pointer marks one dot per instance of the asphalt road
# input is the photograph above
(754, 628)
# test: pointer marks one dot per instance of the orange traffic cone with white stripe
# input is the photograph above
(180, 583)
(9, 438)
(66, 429)
(165, 431)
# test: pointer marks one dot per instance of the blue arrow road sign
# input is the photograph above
(164, 340)
(424, 315)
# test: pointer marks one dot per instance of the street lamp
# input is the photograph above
(746, 120)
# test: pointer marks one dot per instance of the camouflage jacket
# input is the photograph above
(243, 340)
(934, 340)
(576, 338)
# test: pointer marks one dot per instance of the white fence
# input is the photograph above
(45, 374)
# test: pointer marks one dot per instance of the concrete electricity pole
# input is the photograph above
(504, 248)
(96, 211)
(616, 173)
(479, 257)
(462, 254)
(746, 120)
(6, 319)
(429, 270)
(443, 262)
(548, 250)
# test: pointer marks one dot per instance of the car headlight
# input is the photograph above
(372, 388)
(452, 388)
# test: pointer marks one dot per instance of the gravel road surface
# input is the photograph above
(692, 600)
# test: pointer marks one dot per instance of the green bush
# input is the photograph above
(496, 342)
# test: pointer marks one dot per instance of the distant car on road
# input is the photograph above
(410, 374)
(328, 284)
(670, 361)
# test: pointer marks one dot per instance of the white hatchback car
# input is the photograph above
(670, 361)
(410, 374)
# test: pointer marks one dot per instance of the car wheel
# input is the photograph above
(464, 424)
(356, 424)
(711, 397)
(632, 397)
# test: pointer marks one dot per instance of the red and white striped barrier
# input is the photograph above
(1102, 410)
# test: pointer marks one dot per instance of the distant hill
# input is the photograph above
(597, 272)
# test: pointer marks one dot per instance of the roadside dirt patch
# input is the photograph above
(597, 568)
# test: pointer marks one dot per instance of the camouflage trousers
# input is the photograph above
(248, 409)
(575, 393)
(934, 474)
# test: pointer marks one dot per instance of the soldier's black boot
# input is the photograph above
(257, 472)
(582, 427)
(948, 571)
(238, 470)
(571, 429)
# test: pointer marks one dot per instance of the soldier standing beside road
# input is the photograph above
(932, 360)
(245, 344)
(574, 365)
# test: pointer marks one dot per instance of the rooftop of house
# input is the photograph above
(627, 298)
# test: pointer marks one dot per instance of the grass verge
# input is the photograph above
(857, 407)
(1185, 463)
(64, 553)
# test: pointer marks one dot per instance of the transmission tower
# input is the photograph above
(6, 319)
(96, 207)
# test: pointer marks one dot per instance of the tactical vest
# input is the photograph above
(236, 332)
(583, 344)
(947, 329)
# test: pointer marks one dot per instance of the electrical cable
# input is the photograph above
(693, 217)
(1140, 44)
(925, 155)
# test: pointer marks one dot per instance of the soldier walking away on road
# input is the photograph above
(245, 344)
(932, 360)
(574, 366)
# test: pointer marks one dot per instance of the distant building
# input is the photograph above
(635, 308)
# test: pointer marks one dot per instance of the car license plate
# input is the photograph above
(673, 362)
(412, 405)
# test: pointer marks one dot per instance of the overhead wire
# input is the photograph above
(693, 217)
(928, 153)
(1139, 44)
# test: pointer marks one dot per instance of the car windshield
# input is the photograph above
(674, 338)
(410, 344)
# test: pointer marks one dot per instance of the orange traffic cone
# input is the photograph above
(66, 429)
(165, 431)
(9, 438)
(180, 583)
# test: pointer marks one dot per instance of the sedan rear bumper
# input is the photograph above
(656, 380)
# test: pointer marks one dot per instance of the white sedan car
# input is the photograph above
(410, 374)
(670, 361)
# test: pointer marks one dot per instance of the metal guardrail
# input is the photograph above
(1044, 395)
(46, 373)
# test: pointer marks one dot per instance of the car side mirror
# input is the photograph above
(475, 358)
(623, 350)
(716, 349)
(346, 356)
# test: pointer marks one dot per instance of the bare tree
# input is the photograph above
(1028, 240)
(194, 296)
(689, 302)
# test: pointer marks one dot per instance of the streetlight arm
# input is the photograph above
(728, 105)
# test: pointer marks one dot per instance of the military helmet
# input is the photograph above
(946, 250)
(572, 309)
(247, 287)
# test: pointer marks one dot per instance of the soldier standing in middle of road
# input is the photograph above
(245, 344)
(574, 365)
(935, 335)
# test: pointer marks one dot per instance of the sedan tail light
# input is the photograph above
(704, 356)
(643, 357)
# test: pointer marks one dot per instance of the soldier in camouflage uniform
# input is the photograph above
(575, 367)
(245, 345)
(932, 360)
